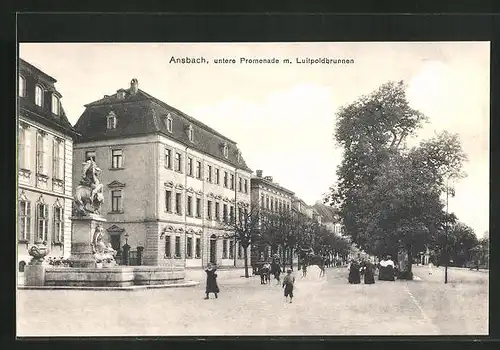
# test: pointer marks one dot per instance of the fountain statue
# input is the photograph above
(102, 252)
(86, 222)
(88, 195)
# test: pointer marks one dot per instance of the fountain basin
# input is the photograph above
(116, 276)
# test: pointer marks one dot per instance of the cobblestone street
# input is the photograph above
(326, 306)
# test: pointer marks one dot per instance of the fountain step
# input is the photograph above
(126, 288)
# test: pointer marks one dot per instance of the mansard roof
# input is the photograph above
(140, 114)
(255, 181)
(42, 114)
(328, 213)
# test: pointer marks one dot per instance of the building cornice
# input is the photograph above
(39, 190)
(85, 143)
(257, 180)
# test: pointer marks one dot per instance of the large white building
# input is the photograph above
(44, 150)
(169, 179)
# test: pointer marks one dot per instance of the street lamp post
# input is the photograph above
(446, 238)
(447, 258)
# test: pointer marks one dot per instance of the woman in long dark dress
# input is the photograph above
(354, 277)
(212, 286)
(386, 269)
(369, 272)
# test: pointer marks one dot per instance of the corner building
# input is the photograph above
(44, 165)
(168, 179)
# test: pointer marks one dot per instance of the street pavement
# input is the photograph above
(321, 306)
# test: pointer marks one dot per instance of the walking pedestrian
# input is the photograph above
(369, 272)
(354, 276)
(212, 286)
(304, 270)
(387, 269)
(288, 282)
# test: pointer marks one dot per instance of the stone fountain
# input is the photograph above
(92, 263)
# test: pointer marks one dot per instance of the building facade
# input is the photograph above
(44, 164)
(169, 179)
(268, 195)
(329, 218)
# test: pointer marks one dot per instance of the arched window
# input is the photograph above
(58, 236)
(22, 86)
(55, 105)
(38, 95)
(190, 133)
(42, 220)
(24, 219)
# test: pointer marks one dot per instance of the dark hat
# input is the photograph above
(289, 270)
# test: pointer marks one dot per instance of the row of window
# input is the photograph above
(273, 204)
(229, 253)
(196, 170)
(42, 222)
(42, 153)
(177, 246)
(190, 133)
(111, 124)
(174, 204)
(193, 168)
(228, 248)
(39, 92)
(116, 158)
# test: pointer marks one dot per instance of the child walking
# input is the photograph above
(288, 282)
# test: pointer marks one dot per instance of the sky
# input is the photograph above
(282, 116)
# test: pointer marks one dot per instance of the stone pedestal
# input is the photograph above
(34, 275)
(83, 228)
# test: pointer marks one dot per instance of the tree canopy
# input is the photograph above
(389, 195)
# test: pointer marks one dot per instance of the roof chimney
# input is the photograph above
(259, 173)
(134, 86)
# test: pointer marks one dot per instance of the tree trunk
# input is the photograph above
(291, 258)
(283, 256)
(410, 262)
(245, 256)
(407, 273)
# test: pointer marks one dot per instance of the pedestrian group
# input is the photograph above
(367, 269)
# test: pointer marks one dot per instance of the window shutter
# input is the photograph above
(28, 221)
(46, 219)
(55, 157)
(46, 157)
(39, 153)
(54, 224)
(61, 160)
(21, 219)
(21, 149)
(27, 149)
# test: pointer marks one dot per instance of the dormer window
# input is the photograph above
(168, 122)
(22, 86)
(55, 105)
(190, 133)
(111, 120)
(38, 95)
(225, 150)
(120, 94)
